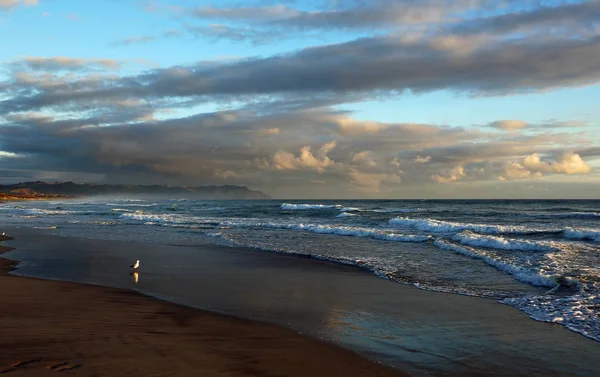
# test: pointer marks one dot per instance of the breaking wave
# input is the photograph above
(520, 273)
(439, 226)
(494, 242)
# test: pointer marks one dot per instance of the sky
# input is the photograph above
(306, 98)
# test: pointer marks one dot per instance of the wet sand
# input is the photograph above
(419, 332)
(47, 327)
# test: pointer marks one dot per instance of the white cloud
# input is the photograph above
(452, 176)
(283, 160)
(532, 166)
(570, 163)
(422, 160)
(365, 158)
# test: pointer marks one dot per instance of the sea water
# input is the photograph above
(542, 257)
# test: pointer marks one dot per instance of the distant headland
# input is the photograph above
(45, 190)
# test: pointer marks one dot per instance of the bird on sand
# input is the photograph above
(136, 265)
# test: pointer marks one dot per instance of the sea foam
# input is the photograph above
(495, 242)
(291, 206)
(439, 226)
(520, 273)
(582, 234)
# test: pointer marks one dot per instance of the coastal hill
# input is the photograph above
(45, 190)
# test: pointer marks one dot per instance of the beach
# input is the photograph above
(51, 326)
(417, 332)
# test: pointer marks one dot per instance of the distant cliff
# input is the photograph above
(44, 190)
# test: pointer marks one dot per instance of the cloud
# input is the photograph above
(451, 176)
(66, 63)
(570, 163)
(279, 151)
(581, 15)
(136, 39)
(280, 126)
(9, 4)
(283, 160)
(218, 32)
(509, 125)
(345, 14)
(533, 167)
(379, 64)
(414, 18)
(422, 160)
(265, 13)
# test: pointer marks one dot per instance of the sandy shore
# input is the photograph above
(47, 327)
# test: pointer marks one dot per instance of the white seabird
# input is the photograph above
(136, 265)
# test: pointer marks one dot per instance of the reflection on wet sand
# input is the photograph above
(136, 276)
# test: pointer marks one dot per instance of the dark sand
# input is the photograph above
(48, 327)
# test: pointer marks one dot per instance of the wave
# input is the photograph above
(339, 230)
(520, 273)
(565, 215)
(52, 212)
(187, 221)
(393, 210)
(473, 239)
(576, 312)
(439, 226)
(345, 214)
(582, 234)
(133, 204)
(290, 206)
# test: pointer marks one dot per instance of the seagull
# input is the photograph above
(136, 265)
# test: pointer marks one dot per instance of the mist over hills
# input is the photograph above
(41, 190)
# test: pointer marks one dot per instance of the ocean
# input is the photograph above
(542, 257)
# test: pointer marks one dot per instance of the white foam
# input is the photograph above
(345, 214)
(578, 312)
(582, 234)
(349, 209)
(185, 221)
(439, 226)
(393, 210)
(133, 204)
(339, 230)
(163, 219)
(290, 206)
(49, 212)
(564, 215)
(495, 242)
(520, 273)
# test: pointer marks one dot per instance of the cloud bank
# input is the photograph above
(277, 122)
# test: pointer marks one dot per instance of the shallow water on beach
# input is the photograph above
(423, 333)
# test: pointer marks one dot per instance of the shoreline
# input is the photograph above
(103, 331)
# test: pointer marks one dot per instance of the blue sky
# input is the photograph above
(305, 98)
